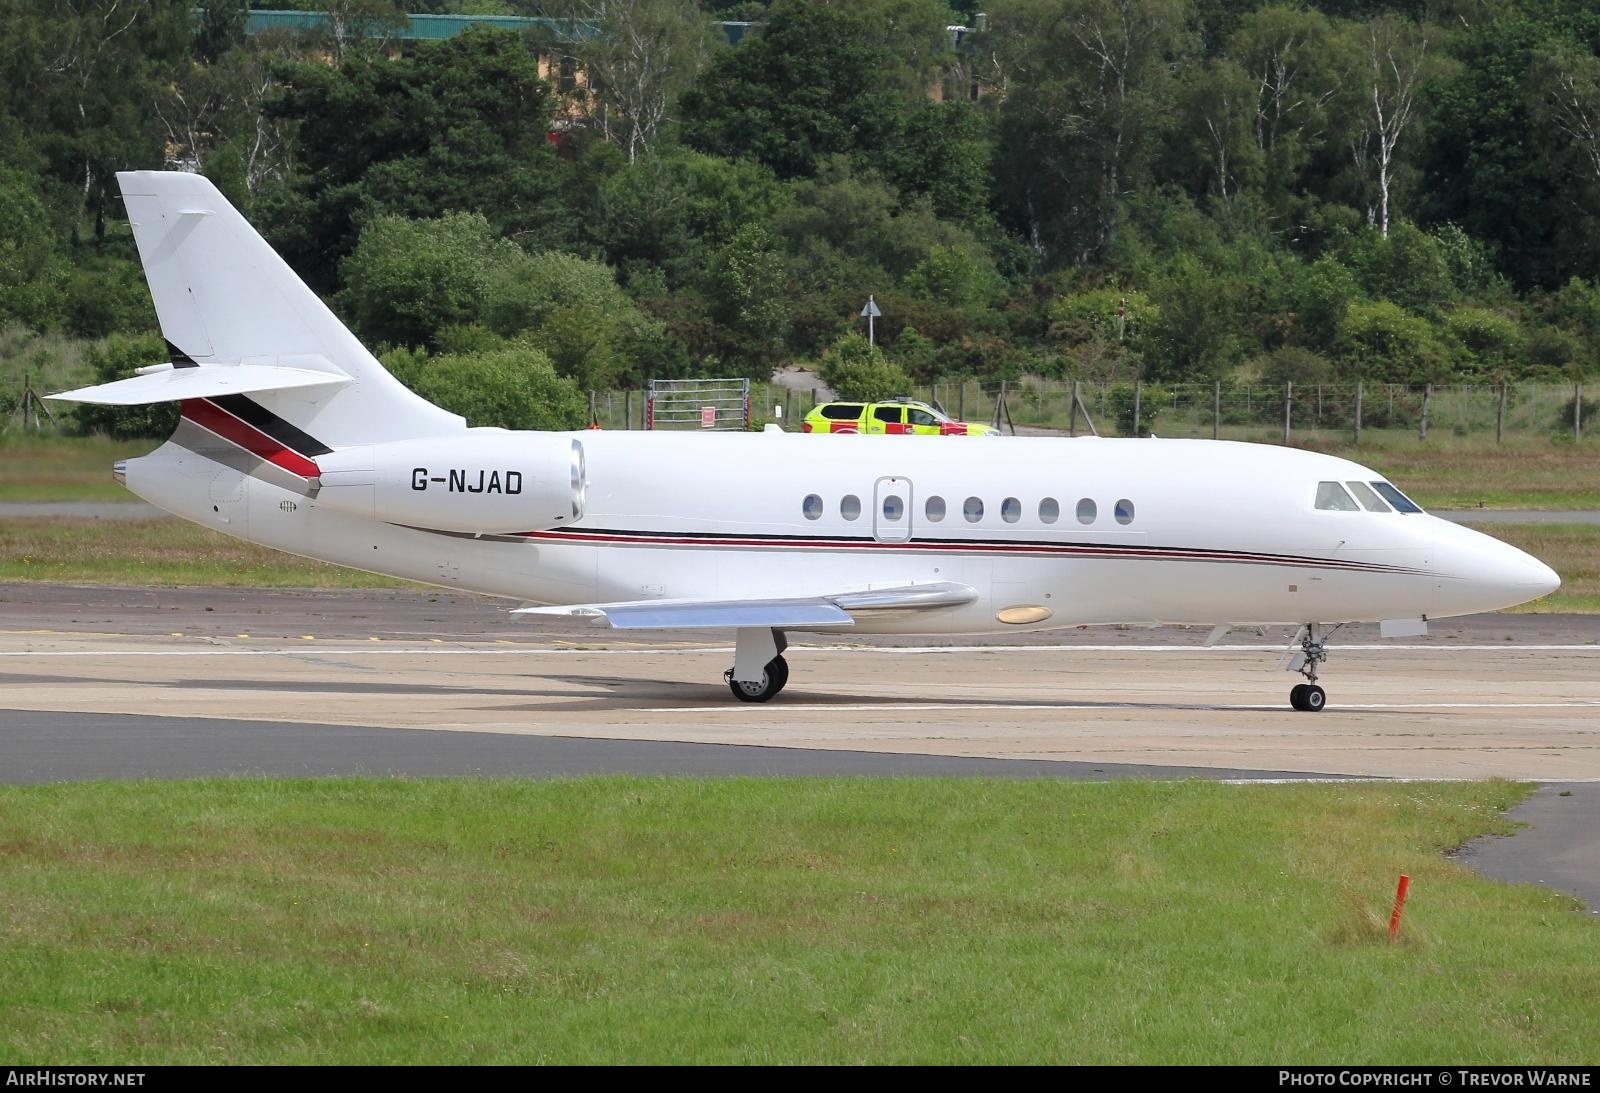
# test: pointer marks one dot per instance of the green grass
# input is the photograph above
(1572, 550)
(47, 467)
(159, 552)
(771, 920)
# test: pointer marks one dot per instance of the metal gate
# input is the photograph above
(719, 405)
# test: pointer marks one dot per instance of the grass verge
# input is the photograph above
(771, 920)
(1572, 550)
(159, 552)
(63, 468)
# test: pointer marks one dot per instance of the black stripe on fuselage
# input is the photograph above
(254, 414)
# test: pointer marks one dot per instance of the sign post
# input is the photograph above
(869, 313)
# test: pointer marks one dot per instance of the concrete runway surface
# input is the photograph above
(1513, 695)
(100, 682)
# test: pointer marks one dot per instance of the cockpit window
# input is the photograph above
(1332, 497)
(1368, 499)
(1400, 501)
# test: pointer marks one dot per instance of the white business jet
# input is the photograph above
(292, 435)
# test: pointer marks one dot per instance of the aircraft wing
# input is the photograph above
(799, 612)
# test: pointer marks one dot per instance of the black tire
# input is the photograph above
(1297, 696)
(773, 678)
(1314, 699)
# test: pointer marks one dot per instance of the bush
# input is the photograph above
(116, 359)
(1120, 399)
(408, 279)
(857, 369)
(512, 388)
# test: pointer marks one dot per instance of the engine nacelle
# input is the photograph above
(481, 482)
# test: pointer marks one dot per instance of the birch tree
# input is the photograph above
(637, 56)
(1388, 64)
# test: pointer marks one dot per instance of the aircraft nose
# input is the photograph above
(1493, 574)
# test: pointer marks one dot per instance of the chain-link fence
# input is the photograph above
(1287, 413)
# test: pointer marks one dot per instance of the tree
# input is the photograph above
(1388, 64)
(458, 125)
(1285, 53)
(944, 153)
(641, 56)
(818, 80)
(77, 76)
(749, 293)
(1218, 102)
(408, 279)
(1081, 83)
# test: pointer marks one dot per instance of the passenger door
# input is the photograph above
(891, 510)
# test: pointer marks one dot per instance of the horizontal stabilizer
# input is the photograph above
(795, 613)
(201, 381)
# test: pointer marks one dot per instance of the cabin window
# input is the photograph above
(1049, 511)
(921, 417)
(1011, 510)
(893, 508)
(973, 509)
(1331, 497)
(841, 411)
(850, 507)
(1123, 511)
(889, 415)
(812, 507)
(1368, 499)
(934, 509)
(1400, 501)
(1086, 511)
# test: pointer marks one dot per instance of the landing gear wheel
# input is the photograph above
(773, 677)
(1308, 697)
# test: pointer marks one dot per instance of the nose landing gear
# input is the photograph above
(1308, 696)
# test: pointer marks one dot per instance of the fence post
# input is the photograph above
(627, 407)
(961, 400)
(1137, 385)
(1577, 411)
(788, 407)
(1072, 411)
(1358, 411)
(1422, 425)
(592, 418)
(1216, 410)
(1288, 405)
(1500, 416)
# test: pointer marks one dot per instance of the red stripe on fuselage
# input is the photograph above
(212, 417)
(1098, 550)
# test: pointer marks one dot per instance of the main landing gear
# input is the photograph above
(1308, 696)
(759, 670)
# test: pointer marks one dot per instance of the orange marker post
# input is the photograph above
(1399, 906)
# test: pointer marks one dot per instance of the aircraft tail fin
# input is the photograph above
(243, 326)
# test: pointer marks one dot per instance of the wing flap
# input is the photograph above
(778, 613)
(200, 381)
